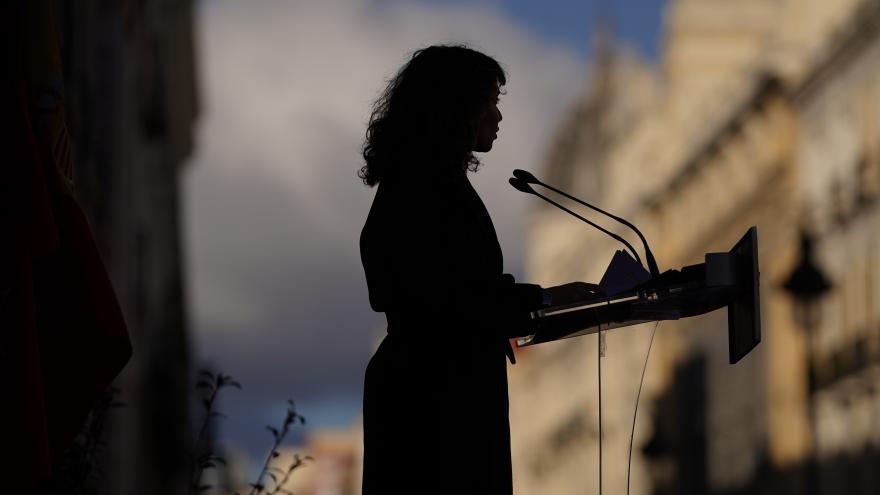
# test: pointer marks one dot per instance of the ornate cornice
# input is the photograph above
(845, 44)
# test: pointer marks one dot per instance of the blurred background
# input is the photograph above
(216, 149)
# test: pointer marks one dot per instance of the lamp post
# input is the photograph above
(807, 284)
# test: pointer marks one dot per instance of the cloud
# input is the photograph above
(274, 206)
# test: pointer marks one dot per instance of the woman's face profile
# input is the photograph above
(487, 130)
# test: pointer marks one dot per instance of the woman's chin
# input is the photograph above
(483, 148)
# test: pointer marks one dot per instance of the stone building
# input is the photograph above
(336, 468)
(332, 464)
(762, 113)
(130, 93)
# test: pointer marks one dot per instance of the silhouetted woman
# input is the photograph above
(435, 394)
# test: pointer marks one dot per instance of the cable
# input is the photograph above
(599, 361)
(635, 410)
(600, 353)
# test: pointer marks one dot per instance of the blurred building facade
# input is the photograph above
(332, 464)
(130, 92)
(337, 464)
(761, 112)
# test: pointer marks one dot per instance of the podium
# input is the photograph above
(728, 280)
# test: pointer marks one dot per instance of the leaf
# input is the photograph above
(273, 430)
(204, 384)
(274, 478)
(275, 454)
(204, 372)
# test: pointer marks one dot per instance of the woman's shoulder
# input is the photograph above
(419, 192)
(409, 207)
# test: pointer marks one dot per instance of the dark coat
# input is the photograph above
(435, 394)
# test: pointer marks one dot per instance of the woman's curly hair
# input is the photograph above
(430, 111)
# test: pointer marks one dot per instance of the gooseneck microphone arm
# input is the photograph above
(528, 178)
(522, 186)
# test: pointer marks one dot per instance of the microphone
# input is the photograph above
(522, 186)
(527, 178)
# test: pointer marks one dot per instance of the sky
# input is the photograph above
(273, 205)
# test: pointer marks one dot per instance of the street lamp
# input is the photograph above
(807, 285)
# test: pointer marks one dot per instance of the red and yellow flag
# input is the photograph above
(64, 336)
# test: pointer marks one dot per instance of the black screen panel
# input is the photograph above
(744, 312)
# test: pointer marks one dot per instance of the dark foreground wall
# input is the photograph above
(130, 94)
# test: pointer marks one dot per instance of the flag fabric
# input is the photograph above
(64, 335)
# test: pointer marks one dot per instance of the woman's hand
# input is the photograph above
(573, 292)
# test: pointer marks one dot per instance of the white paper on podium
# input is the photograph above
(622, 274)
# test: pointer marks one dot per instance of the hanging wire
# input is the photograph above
(600, 353)
(636, 408)
(599, 361)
